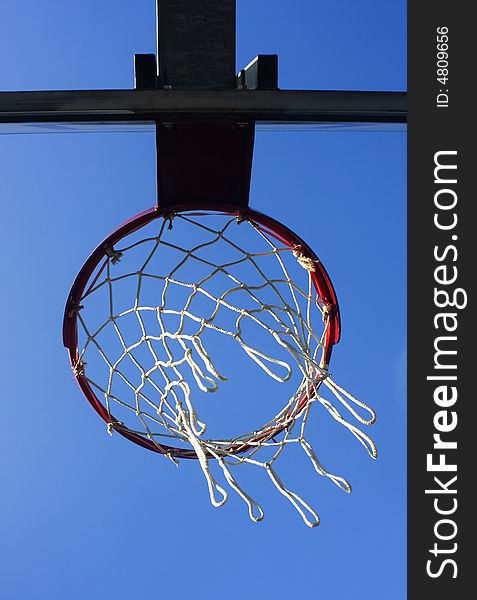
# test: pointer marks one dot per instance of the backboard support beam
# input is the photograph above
(277, 106)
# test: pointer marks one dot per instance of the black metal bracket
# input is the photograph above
(260, 74)
(145, 72)
(204, 164)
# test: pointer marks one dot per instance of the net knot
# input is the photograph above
(79, 367)
(241, 218)
(114, 255)
(323, 372)
(169, 217)
(327, 310)
(74, 310)
(304, 261)
(171, 457)
(112, 426)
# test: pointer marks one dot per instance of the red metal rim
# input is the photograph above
(321, 281)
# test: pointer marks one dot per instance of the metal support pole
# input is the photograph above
(196, 44)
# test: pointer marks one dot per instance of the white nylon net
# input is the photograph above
(160, 322)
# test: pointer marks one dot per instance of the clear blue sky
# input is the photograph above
(83, 515)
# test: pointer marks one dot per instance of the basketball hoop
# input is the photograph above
(148, 317)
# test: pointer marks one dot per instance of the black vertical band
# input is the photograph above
(442, 255)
